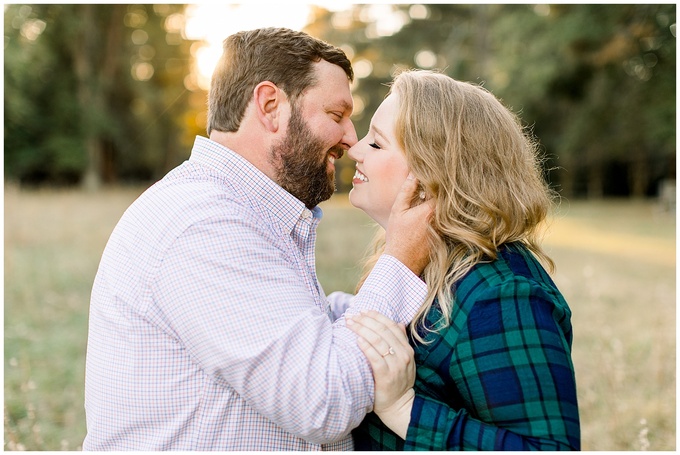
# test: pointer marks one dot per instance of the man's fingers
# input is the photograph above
(405, 194)
(408, 228)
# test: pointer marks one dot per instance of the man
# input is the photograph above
(208, 327)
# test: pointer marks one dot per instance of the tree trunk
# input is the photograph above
(638, 174)
(82, 59)
(95, 82)
(107, 88)
(481, 40)
(595, 184)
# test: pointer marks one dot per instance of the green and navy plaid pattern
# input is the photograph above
(500, 376)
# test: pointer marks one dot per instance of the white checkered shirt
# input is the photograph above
(209, 329)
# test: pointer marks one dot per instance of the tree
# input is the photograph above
(95, 93)
(596, 83)
(609, 82)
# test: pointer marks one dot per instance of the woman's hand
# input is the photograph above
(385, 345)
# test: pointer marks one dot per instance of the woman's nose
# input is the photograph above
(349, 139)
(354, 152)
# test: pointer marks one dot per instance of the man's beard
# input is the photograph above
(300, 169)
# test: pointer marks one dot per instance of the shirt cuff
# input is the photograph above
(396, 290)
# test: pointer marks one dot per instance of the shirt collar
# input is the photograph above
(263, 194)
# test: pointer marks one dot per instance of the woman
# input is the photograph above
(492, 343)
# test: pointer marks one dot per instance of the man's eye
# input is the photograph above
(374, 145)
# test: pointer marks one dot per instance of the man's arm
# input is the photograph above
(235, 300)
(406, 253)
(339, 302)
(242, 311)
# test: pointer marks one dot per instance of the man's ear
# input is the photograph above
(269, 100)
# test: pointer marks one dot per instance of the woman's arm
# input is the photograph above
(512, 364)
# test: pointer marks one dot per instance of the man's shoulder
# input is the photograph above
(188, 199)
(173, 205)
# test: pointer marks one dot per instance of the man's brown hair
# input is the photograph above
(279, 55)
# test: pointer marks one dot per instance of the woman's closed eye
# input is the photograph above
(374, 145)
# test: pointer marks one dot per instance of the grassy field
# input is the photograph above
(615, 265)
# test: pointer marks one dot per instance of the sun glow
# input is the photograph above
(212, 23)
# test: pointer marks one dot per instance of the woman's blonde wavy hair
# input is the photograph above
(474, 158)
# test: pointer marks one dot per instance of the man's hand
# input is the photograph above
(406, 236)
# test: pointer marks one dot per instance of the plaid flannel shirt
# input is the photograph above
(500, 376)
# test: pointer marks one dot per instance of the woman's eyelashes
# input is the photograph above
(374, 145)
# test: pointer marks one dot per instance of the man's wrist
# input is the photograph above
(416, 266)
(391, 289)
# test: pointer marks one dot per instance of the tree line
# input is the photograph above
(97, 94)
(103, 94)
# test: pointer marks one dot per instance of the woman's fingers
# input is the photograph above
(385, 345)
(374, 357)
(369, 339)
(383, 327)
(381, 338)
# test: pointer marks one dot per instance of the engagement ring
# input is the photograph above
(389, 351)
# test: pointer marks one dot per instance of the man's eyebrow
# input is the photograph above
(344, 105)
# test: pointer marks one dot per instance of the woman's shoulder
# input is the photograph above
(514, 283)
(513, 264)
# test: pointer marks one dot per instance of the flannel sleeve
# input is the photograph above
(512, 362)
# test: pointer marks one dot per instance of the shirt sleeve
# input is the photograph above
(339, 302)
(391, 289)
(231, 295)
(513, 363)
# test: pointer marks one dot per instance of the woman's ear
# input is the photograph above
(268, 100)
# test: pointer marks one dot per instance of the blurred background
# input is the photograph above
(102, 100)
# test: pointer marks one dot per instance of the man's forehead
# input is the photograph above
(331, 87)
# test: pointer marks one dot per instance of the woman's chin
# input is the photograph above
(353, 199)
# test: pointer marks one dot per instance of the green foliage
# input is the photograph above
(100, 89)
(596, 83)
(90, 88)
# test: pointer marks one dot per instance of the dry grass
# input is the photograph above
(53, 242)
(616, 267)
